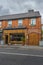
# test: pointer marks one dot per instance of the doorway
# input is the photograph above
(33, 39)
(6, 39)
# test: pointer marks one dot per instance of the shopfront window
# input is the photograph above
(16, 37)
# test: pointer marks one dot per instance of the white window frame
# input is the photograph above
(0, 23)
(33, 21)
(42, 27)
(20, 21)
(9, 23)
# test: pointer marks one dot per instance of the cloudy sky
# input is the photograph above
(19, 6)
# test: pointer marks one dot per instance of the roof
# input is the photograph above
(29, 14)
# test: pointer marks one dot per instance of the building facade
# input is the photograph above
(24, 28)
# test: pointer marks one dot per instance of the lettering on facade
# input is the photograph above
(34, 30)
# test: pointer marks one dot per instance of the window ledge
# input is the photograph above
(32, 25)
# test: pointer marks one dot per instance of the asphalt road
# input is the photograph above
(17, 56)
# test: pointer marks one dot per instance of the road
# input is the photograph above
(18, 56)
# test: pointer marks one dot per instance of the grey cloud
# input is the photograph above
(24, 5)
(21, 5)
(17, 6)
(4, 11)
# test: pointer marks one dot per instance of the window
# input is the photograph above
(0, 24)
(42, 33)
(9, 23)
(42, 27)
(20, 22)
(16, 36)
(33, 22)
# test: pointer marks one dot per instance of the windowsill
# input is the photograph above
(16, 41)
(32, 25)
(20, 25)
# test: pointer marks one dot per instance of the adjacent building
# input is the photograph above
(23, 28)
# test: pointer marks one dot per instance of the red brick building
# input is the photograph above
(24, 28)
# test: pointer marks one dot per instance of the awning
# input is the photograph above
(15, 28)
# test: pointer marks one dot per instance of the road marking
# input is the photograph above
(21, 54)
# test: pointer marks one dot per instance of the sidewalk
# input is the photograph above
(10, 46)
(20, 46)
(32, 47)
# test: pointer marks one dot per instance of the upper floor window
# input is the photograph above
(20, 22)
(9, 23)
(33, 21)
(0, 24)
(42, 28)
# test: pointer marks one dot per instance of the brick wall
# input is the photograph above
(26, 22)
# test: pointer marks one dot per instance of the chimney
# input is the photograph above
(30, 10)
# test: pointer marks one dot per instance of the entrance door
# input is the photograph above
(33, 39)
(6, 39)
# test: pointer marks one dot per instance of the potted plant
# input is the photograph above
(23, 39)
